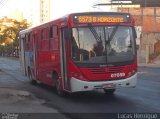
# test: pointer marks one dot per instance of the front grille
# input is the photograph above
(106, 70)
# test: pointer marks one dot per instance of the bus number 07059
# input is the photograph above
(117, 75)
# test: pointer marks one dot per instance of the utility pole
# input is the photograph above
(145, 3)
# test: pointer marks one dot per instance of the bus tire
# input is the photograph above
(30, 77)
(109, 91)
(59, 90)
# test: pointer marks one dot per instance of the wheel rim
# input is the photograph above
(58, 88)
(30, 76)
(57, 85)
(32, 81)
(109, 91)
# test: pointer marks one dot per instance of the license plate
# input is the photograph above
(109, 86)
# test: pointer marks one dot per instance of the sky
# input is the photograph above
(9, 5)
(59, 7)
(62, 7)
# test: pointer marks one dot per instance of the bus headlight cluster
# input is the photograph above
(131, 73)
(77, 75)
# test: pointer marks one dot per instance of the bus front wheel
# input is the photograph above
(30, 76)
(59, 90)
(109, 91)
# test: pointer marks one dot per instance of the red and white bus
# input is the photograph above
(82, 52)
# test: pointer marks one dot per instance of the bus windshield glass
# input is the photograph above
(102, 45)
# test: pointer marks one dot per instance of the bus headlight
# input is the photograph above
(131, 73)
(77, 75)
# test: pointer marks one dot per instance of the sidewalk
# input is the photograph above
(15, 99)
(151, 65)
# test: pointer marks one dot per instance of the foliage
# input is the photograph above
(154, 55)
(9, 30)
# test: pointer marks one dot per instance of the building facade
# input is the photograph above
(147, 20)
(44, 10)
(38, 12)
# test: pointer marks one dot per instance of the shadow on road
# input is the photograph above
(87, 97)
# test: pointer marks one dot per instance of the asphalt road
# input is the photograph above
(145, 98)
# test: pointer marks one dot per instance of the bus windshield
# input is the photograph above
(102, 45)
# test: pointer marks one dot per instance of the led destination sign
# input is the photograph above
(101, 18)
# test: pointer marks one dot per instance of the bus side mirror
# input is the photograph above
(137, 47)
(67, 33)
(134, 32)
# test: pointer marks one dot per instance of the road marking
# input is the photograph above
(141, 72)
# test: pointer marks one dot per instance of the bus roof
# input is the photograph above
(66, 17)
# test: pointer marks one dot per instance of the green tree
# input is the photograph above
(9, 31)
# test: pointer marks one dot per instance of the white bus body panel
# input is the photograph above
(78, 85)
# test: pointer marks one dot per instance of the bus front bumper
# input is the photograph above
(79, 85)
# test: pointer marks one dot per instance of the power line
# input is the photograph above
(3, 3)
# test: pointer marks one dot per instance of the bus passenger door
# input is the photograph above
(34, 55)
(22, 42)
(63, 58)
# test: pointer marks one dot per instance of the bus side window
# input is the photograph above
(51, 32)
(42, 34)
(53, 37)
(45, 39)
(27, 42)
(55, 31)
(67, 33)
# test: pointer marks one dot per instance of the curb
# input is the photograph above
(149, 65)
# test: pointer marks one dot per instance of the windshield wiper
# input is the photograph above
(95, 34)
(78, 38)
(108, 40)
(112, 34)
